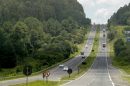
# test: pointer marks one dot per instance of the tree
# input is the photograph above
(20, 39)
(119, 46)
(7, 56)
(128, 21)
(36, 34)
(53, 27)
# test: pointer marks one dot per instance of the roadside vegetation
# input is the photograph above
(83, 67)
(54, 83)
(40, 33)
(119, 49)
(119, 45)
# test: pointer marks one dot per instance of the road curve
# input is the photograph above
(57, 73)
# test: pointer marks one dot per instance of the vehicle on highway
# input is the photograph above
(90, 43)
(103, 45)
(61, 65)
(103, 30)
(65, 68)
(83, 56)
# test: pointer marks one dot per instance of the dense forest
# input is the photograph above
(40, 32)
(122, 17)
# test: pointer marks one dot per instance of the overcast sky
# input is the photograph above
(101, 10)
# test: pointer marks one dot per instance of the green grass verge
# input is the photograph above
(126, 79)
(117, 62)
(89, 61)
(40, 83)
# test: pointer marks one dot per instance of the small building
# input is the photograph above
(128, 39)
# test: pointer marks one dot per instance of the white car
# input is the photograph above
(90, 43)
(61, 65)
(65, 68)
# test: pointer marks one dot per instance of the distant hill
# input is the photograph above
(14, 10)
(122, 17)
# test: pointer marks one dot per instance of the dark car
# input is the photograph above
(83, 56)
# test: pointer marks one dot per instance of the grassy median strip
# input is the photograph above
(88, 62)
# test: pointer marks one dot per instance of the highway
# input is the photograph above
(101, 73)
(57, 73)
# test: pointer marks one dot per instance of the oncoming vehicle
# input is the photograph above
(61, 65)
(90, 43)
(65, 68)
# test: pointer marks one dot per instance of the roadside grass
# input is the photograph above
(40, 83)
(117, 62)
(126, 79)
(88, 61)
(7, 74)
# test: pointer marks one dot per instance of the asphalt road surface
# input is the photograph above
(98, 74)
(57, 73)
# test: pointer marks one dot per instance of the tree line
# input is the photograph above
(121, 17)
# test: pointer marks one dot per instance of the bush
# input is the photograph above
(111, 35)
(18, 69)
(119, 46)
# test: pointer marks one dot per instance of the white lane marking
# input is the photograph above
(108, 69)
(66, 83)
(91, 82)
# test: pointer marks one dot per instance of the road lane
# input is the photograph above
(98, 74)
